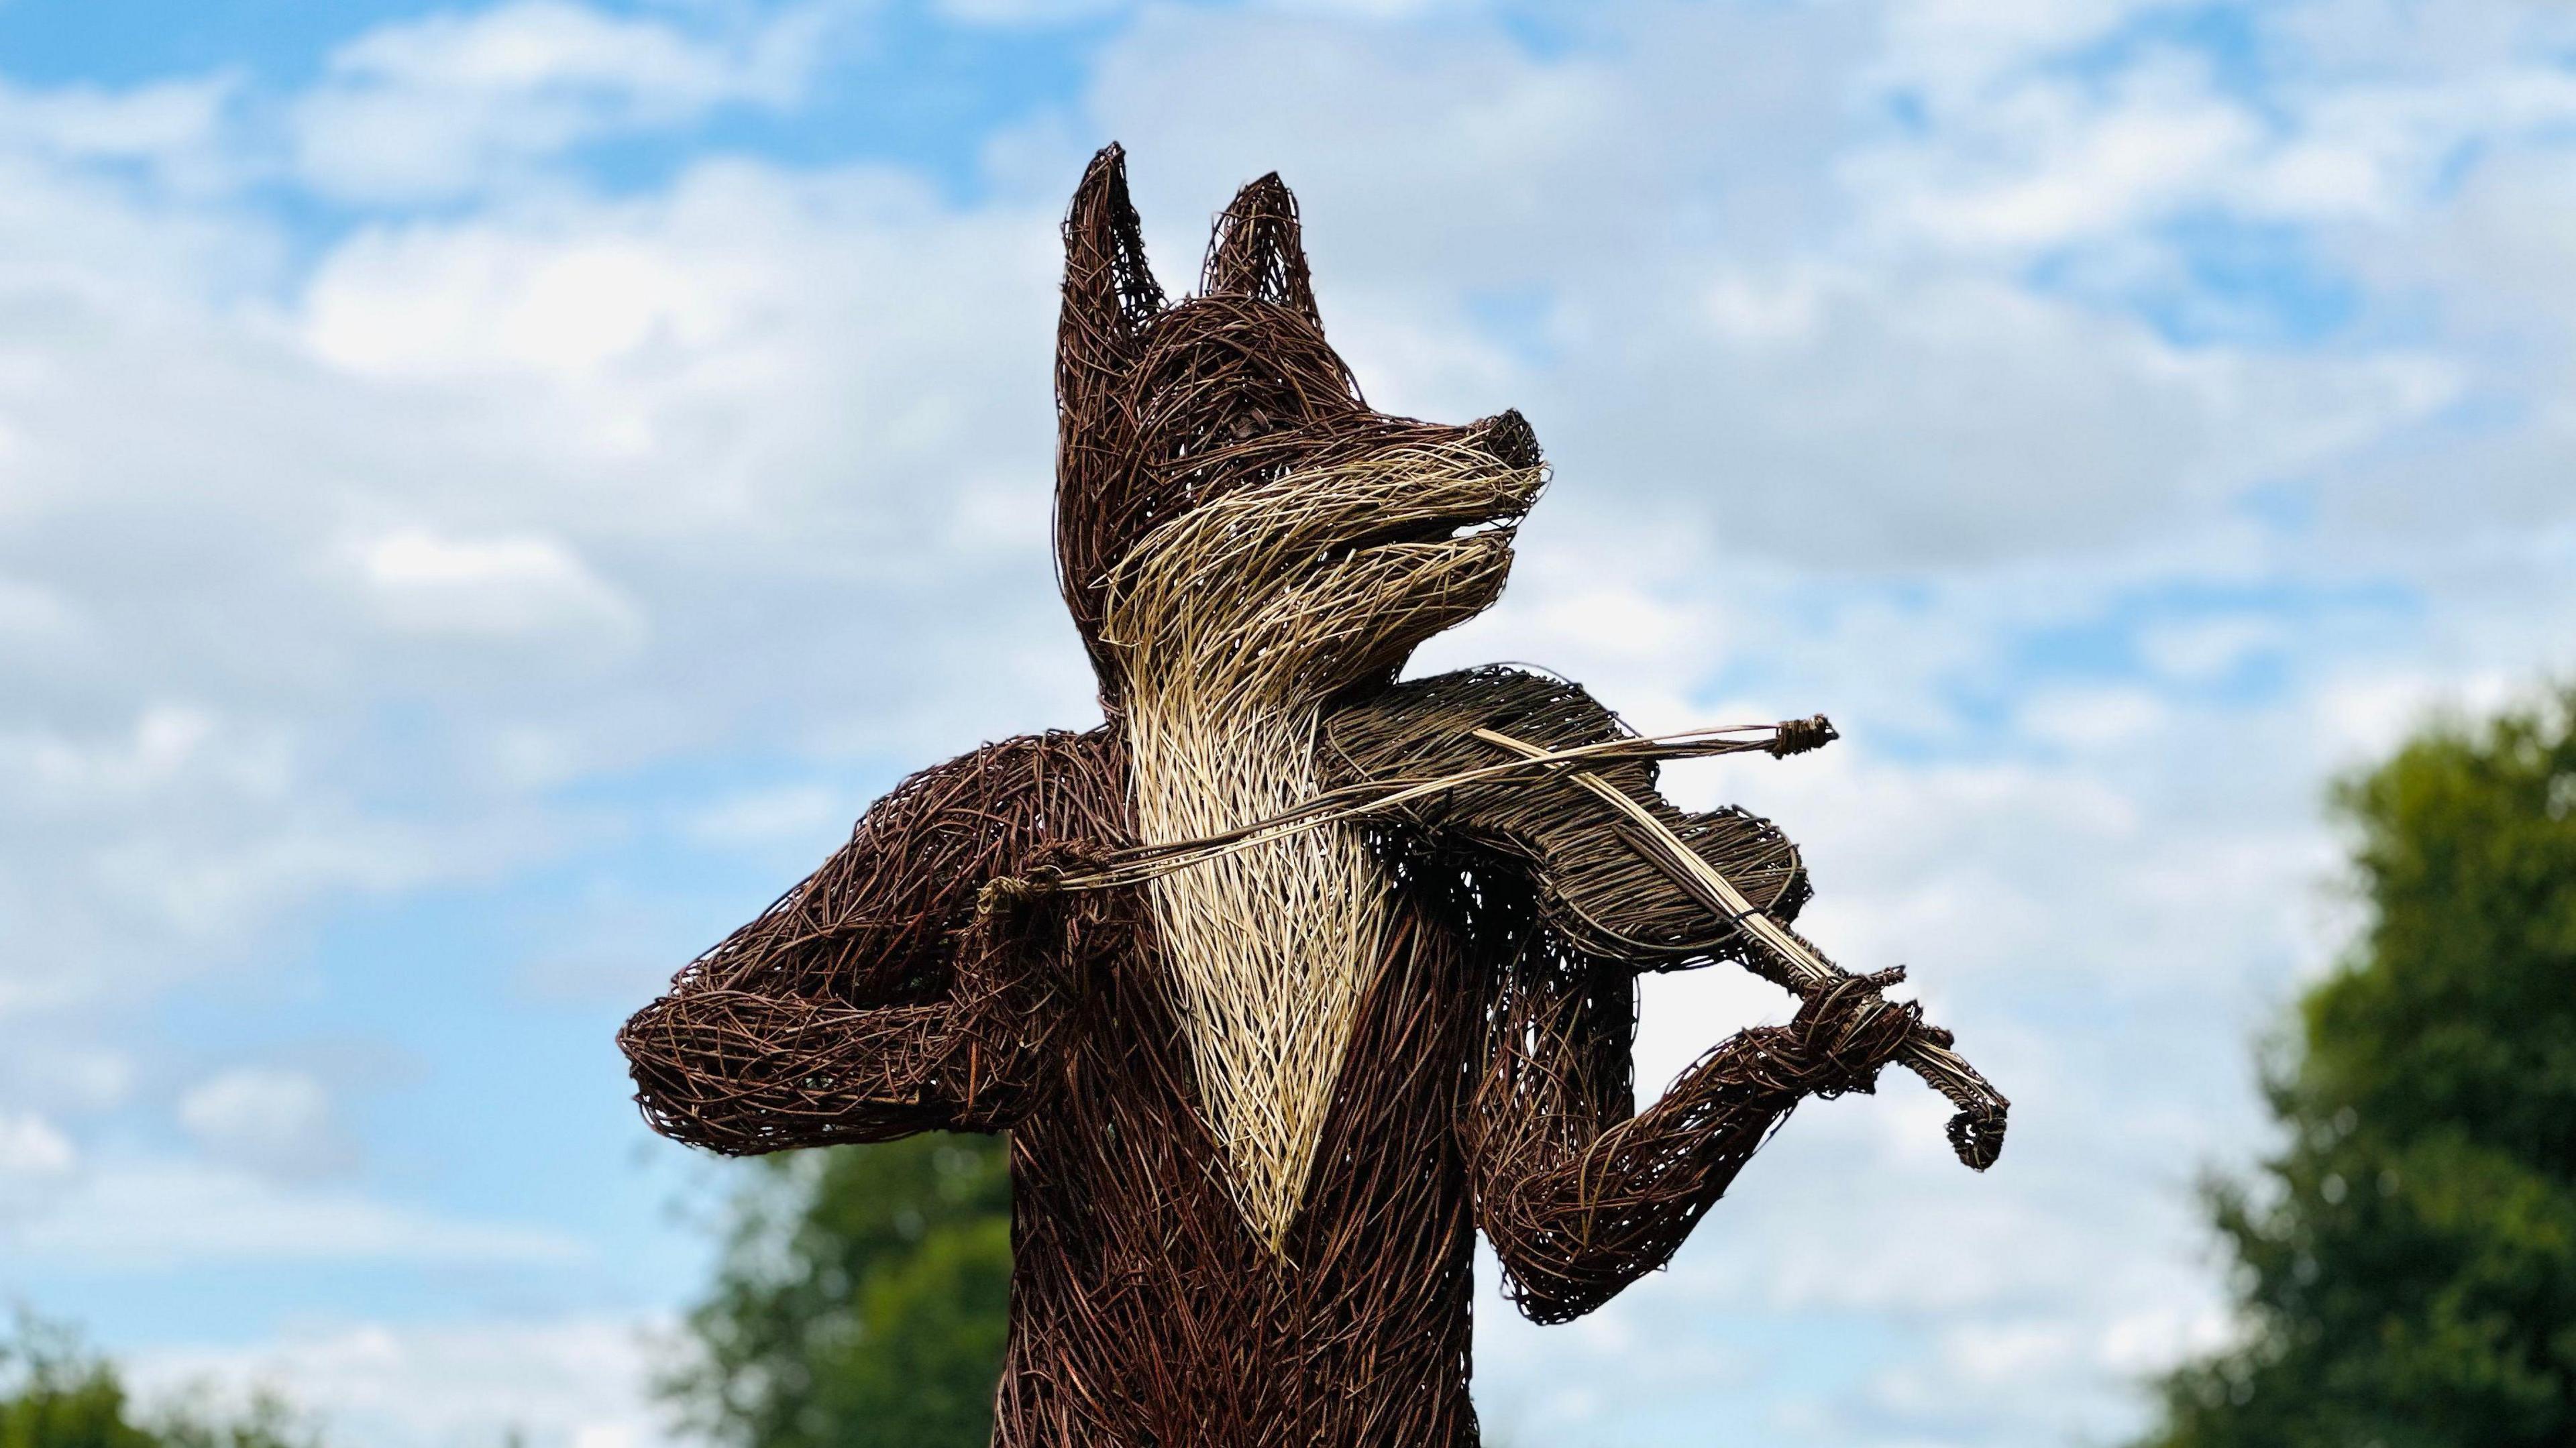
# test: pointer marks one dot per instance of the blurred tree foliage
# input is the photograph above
(54, 1393)
(860, 1302)
(2406, 1266)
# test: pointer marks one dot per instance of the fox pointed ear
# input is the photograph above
(1109, 291)
(1109, 296)
(1258, 250)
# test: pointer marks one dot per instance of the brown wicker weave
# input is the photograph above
(1287, 979)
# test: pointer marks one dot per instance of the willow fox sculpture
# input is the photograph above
(1288, 978)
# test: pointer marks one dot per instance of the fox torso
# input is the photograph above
(1242, 541)
(1150, 1307)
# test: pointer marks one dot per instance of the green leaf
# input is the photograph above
(2407, 1263)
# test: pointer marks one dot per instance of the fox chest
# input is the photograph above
(1133, 1173)
(1268, 953)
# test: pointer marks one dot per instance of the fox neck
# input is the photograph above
(1269, 950)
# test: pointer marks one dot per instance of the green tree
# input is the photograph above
(860, 1302)
(54, 1393)
(2406, 1265)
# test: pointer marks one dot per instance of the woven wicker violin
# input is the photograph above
(1288, 978)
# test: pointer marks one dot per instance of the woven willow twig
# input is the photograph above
(1283, 983)
(1229, 625)
(1976, 1133)
(1352, 802)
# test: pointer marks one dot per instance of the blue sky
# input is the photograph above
(489, 492)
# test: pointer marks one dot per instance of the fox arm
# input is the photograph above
(1579, 1192)
(872, 1001)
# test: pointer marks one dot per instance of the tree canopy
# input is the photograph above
(2406, 1263)
(861, 1301)
(55, 1393)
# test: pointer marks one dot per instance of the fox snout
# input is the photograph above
(1325, 577)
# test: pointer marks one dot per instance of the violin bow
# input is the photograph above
(1976, 1132)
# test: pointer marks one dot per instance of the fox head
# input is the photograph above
(1228, 507)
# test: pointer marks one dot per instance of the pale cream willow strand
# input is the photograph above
(1232, 623)
(1136, 866)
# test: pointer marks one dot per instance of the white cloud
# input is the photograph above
(32, 1150)
(2494, 264)
(68, 1075)
(32, 615)
(439, 106)
(830, 403)
(1850, 401)
(1960, 49)
(155, 847)
(178, 129)
(272, 1120)
(2090, 718)
(1957, 421)
(720, 354)
(497, 587)
(2196, 650)
(2051, 161)
(564, 1383)
(126, 1216)
(492, 303)
(168, 742)
(1028, 12)
(761, 817)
